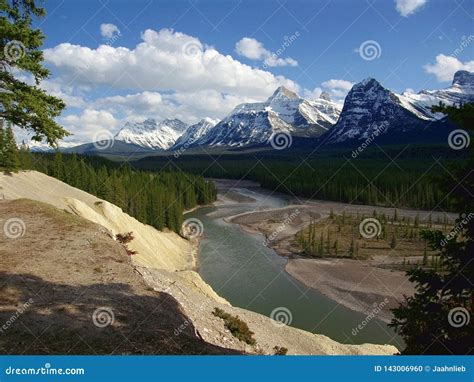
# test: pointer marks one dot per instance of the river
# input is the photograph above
(249, 275)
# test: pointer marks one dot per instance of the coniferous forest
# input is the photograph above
(373, 178)
(158, 199)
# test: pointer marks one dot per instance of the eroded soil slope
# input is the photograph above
(66, 287)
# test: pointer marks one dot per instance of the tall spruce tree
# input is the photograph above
(439, 319)
(9, 158)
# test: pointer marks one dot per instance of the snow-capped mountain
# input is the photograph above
(370, 109)
(284, 111)
(460, 91)
(152, 134)
(194, 133)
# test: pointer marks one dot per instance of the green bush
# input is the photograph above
(237, 327)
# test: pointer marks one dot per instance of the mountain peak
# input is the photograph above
(325, 96)
(463, 78)
(151, 134)
(368, 82)
(282, 91)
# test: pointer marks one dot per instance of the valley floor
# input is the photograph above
(361, 284)
(67, 287)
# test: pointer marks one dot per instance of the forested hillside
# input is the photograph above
(157, 198)
(373, 178)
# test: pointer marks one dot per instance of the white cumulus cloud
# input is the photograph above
(84, 126)
(408, 7)
(254, 50)
(445, 67)
(108, 30)
(336, 88)
(164, 60)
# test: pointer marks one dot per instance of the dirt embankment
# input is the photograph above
(71, 270)
(68, 288)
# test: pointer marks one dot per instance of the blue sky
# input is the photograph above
(416, 44)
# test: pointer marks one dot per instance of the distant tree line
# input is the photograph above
(406, 182)
(158, 199)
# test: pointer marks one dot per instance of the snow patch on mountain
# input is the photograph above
(152, 134)
(460, 91)
(284, 111)
(369, 109)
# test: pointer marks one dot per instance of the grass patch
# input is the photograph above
(237, 327)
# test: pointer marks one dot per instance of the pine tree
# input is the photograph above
(10, 151)
(25, 157)
(352, 248)
(424, 320)
(393, 242)
(23, 105)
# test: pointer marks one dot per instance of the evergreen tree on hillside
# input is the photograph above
(23, 105)
(439, 318)
(9, 151)
(24, 157)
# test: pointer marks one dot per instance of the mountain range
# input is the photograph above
(369, 108)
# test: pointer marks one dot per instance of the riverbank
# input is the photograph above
(164, 260)
(360, 285)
